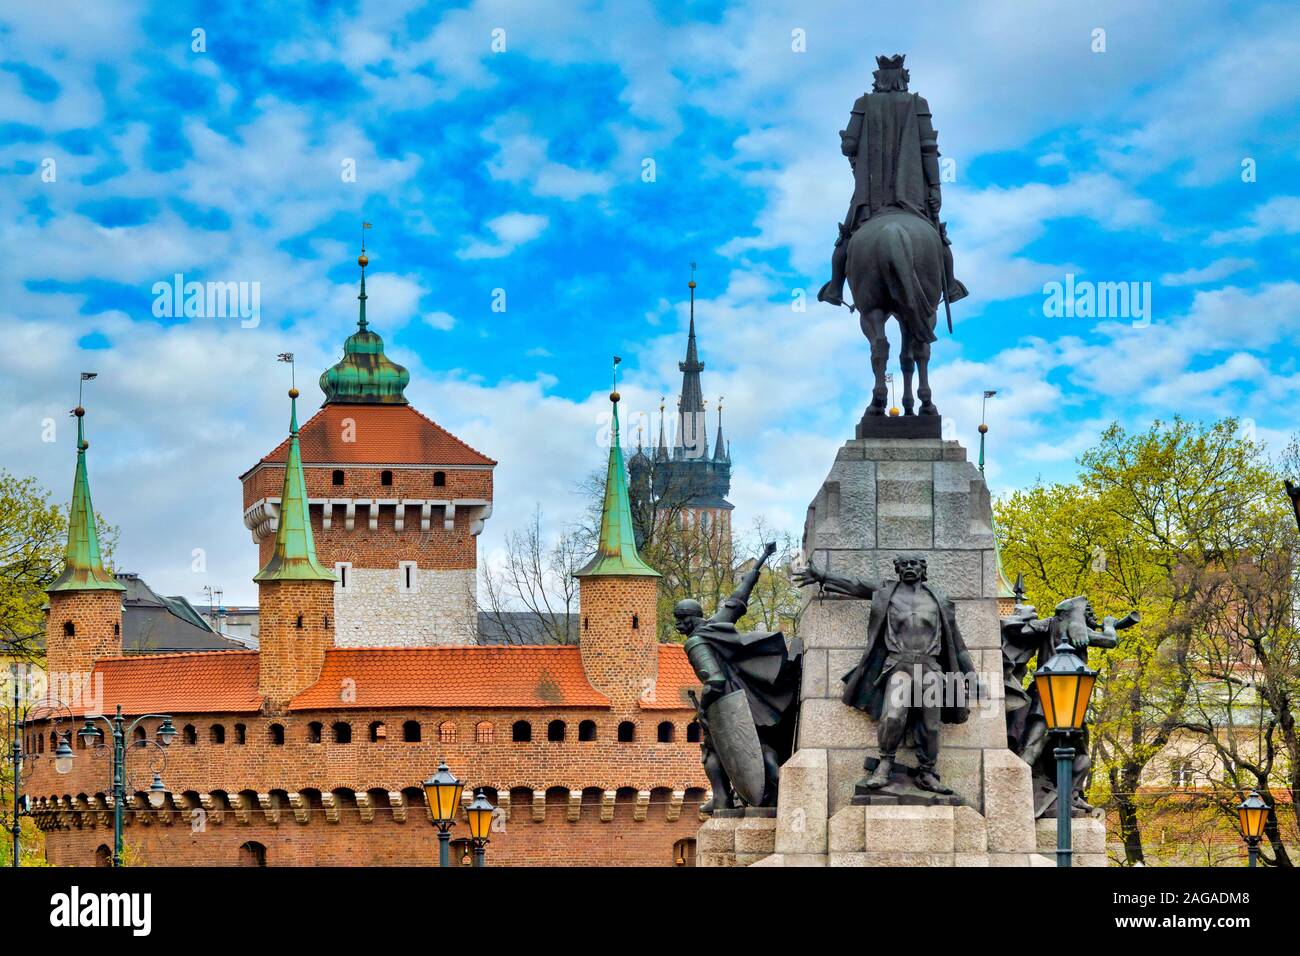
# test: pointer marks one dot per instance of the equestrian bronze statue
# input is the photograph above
(893, 249)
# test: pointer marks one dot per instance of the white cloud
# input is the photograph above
(1279, 216)
(510, 230)
(1213, 272)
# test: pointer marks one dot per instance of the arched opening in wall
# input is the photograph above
(557, 803)
(139, 736)
(684, 852)
(277, 734)
(592, 798)
(378, 731)
(461, 853)
(587, 731)
(521, 732)
(336, 477)
(624, 802)
(342, 733)
(117, 629)
(660, 800)
(485, 733)
(411, 731)
(636, 622)
(69, 629)
(217, 734)
(314, 732)
(189, 735)
(439, 479)
(666, 732)
(252, 853)
(521, 804)
(693, 732)
(103, 855)
(241, 734)
(626, 732)
(447, 732)
(693, 799)
(298, 622)
(386, 478)
(555, 731)
(415, 801)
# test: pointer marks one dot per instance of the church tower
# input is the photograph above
(396, 503)
(618, 597)
(690, 481)
(295, 594)
(85, 616)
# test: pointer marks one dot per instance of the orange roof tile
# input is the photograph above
(476, 676)
(676, 677)
(195, 682)
(384, 434)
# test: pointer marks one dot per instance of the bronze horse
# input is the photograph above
(896, 267)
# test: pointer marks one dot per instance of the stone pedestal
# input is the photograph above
(884, 496)
(1087, 837)
(736, 837)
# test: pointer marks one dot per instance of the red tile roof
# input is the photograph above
(387, 434)
(190, 683)
(676, 677)
(514, 677)
(477, 676)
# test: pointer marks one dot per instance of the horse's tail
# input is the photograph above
(901, 280)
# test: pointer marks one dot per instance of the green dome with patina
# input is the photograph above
(365, 375)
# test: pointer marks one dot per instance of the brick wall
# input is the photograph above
(192, 839)
(385, 546)
(343, 790)
(296, 625)
(96, 617)
(618, 638)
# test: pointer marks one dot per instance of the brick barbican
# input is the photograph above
(311, 749)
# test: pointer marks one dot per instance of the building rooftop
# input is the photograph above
(442, 678)
(389, 435)
(211, 682)
(153, 624)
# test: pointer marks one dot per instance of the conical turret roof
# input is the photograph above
(294, 556)
(83, 565)
(616, 553)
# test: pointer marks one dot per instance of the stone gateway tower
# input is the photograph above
(396, 504)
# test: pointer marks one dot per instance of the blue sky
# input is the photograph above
(522, 170)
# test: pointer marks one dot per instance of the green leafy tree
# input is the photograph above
(1148, 511)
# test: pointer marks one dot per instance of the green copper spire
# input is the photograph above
(294, 556)
(365, 375)
(83, 568)
(616, 551)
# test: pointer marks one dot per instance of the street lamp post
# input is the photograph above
(479, 813)
(1252, 814)
(120, 730)
(62, 754)
(443, 793)
(1065, 686)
